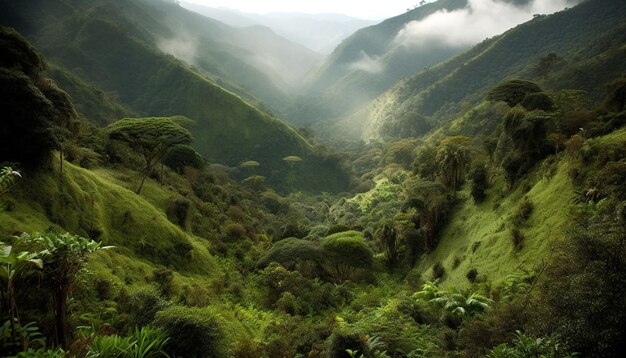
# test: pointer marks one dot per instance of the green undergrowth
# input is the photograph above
(99, 204)
(480, 236)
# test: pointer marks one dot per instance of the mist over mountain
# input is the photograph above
(318, 32)
(451, 184)
(376, 57)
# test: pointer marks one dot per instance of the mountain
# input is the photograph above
(318, 32)
(375, 58)
(585, 43)
(366, 64)
(115, 46)
(247, 61)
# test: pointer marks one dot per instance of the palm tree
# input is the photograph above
(453, 157)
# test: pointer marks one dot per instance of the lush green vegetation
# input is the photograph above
(499, 232)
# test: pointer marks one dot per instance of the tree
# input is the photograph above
(512, 91)
(389, 239)
(292, 160)
(345, 253)
(180, 156)
(37, 116)
(63, 257)
(425, 165)
(430, 201)
(289, 251)
(152, 138)
(453, 157)
(480, 182)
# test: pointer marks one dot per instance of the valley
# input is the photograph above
(197, 184)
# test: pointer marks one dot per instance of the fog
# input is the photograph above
(367, 63)
(479, 20)
(183, 46)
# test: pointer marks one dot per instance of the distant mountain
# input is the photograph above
(253, 62)
(580, 48)
(366, 64)
(110, 52)
(375, 58)
(318, 32)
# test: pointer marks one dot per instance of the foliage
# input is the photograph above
(180, 156)
(525, 346)
(388, 238)
(513, 91)
(346, 252)
(39, 116)
(7, 179)
(16, 338)
(290, 251)
(480, 183)
(453, 157)
(63, 256)
(151, 137)
(144, 342)
(15, 267)
(141, 305)
(459, 303)
(581, 295)
(193, 332)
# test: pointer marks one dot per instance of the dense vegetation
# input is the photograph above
(497, 230)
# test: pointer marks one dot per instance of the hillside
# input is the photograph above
(589, 40)
(366, 64)
(248, 61)
(148, 211)
(108, 47)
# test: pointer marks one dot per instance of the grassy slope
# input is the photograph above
(140, 229)
(489, 224)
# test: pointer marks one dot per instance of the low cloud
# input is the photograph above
(184, 47)
(367, 63)
(479, 20)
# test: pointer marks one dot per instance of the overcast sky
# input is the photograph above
(365, 9)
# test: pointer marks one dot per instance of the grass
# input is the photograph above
(479, 235)
(85, 202)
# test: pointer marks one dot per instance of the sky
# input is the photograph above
(364, 9)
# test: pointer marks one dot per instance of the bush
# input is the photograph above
(346, 252)
(517, 238)
(193, 332)
(289, 251)
(472, 275)
(142, 305)
(479, 183)
(524, 210)
(343, 339)
(438, 271)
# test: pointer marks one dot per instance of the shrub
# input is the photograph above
(517, 238)
(438, 271)
(343, 339)
(193, 332)
(141, 305)
(235, 230)
(289, 251)
(524, 209)
(471, 275)
(346, 252)
(479, 183)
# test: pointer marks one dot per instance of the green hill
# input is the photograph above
(588, 39)
(112, 47)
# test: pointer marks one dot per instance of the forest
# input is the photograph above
(470, 204)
